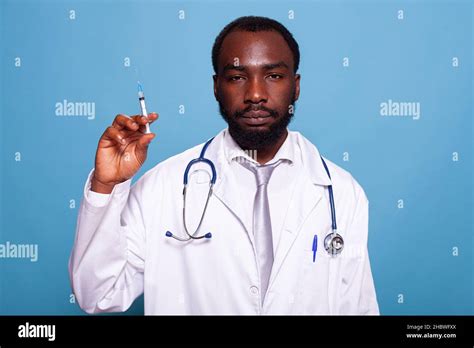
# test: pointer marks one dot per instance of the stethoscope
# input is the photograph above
(333, 242)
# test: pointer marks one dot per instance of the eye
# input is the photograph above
(235, 78)
(276, 76)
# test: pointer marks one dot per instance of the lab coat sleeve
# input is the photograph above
(97, 199)
(107, 260)
(357, 292)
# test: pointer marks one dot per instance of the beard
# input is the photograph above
(250, 139)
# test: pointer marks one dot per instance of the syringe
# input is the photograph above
(141, 98)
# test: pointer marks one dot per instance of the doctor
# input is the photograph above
(262, 249)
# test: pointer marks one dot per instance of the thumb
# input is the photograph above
(145, 140)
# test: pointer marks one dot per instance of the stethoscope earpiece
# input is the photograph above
(208, 235)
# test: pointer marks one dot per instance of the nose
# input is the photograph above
(256, 91)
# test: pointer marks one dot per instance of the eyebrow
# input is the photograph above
(269, 66)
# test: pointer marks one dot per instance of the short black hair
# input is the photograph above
(255, 24)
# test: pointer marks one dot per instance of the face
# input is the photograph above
(256, 87)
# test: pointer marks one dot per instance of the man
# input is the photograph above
(266, 213)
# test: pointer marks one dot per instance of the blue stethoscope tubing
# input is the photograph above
(200, 159)
(333, 242)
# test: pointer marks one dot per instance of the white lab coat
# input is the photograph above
(121, 251)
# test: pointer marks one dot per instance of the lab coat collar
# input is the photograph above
(294, 145)
(233, 151)
(312, 162)
(302, 147)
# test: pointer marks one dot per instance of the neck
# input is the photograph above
(267, 153)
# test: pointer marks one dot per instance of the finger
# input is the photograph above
(124, 122)
(152, 117)
(115, 135)
(145, 140)
(142, 120)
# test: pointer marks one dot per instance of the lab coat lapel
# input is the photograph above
(305, 198)
(226, 188)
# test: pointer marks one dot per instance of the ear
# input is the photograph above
(214, 77)
(297, 86)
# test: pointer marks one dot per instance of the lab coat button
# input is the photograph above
(254, 290)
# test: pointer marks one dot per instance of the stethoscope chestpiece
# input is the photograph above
(333, 243)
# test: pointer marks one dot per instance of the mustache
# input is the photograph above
(241, 113)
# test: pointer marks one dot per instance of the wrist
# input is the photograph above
(100, 187)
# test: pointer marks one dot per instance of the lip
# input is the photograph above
(257, 114)
(256, 121)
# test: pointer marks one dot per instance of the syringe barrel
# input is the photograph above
(143, 107)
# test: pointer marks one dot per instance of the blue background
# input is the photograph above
(393, 158)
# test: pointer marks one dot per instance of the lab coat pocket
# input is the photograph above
(314, 281)
(330, 278)
(351, 266)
